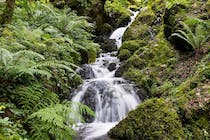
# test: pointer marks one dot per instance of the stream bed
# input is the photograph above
(110, 97)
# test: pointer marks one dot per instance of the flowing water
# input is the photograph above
(110, 97)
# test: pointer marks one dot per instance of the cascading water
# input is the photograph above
(110, 97)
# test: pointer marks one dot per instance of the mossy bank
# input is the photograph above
(165, 52)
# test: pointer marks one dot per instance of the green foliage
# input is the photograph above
(141, 79)
(118, 10)
(59, 32)
(136, 62)
(56, 121)
(25, 62)
(9, 130)
(34, 97)
(124, 54)
(170, 3)
(132, 45)
(153, 119)
(40, 51)
(195, 38)
(117, 6)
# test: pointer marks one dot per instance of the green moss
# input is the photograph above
(123, 20)
(92, 54)
(140, 27)
(153, 119)
(136, 62)
(157, 53)
(117, 6)
(136, 31)
(132, 45)
(147, 16)
(118, 11)
(141, 79)
(124, 54)
(163, 90)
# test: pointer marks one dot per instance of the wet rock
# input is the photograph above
(142, 93)
(112, 66)
(123, 20)
(121, 70)
(106, 29)
(109, 45)
(86, 72)
(90, 100)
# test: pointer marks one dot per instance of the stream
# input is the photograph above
(110, 97)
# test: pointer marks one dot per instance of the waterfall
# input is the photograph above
(110, 97)
(118, 33)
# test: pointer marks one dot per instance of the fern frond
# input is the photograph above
(56, 119)
(34, 97)
(40, 72)
(55, 63)
(182, 37)
(196, 39)
(5, 56)
(189, 37)
(23, 53)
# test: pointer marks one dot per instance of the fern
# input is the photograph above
(197, 38)
(55, 122)
(57, 64)
(28, 53)
(23, 62)
(34, 97)
(5, 56)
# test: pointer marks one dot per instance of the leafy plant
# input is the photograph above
(34, 97)
(56, 121)
(24, 62)
(195, 38)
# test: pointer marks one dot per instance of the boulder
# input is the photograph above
(112, 66)
(153, 119)
(109, 46)
(86, 72)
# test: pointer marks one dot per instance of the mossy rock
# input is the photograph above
(140, 27)
(155, 119)
(147, 16)
(137, 31)
(124, 54)
(140, 78)
(136, 62)
(106, 29)
(123, 20)
(132, 45)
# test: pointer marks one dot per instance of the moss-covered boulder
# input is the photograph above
(147, 16)
(109, 45)
(117, 12)
(142, 80)
(132, 45)
(140, 27)
(155, 119)
(136, 31)
(124, 54)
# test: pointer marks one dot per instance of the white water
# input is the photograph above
(118, 33)
(110, 97)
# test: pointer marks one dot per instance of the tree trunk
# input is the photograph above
(6, 17)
